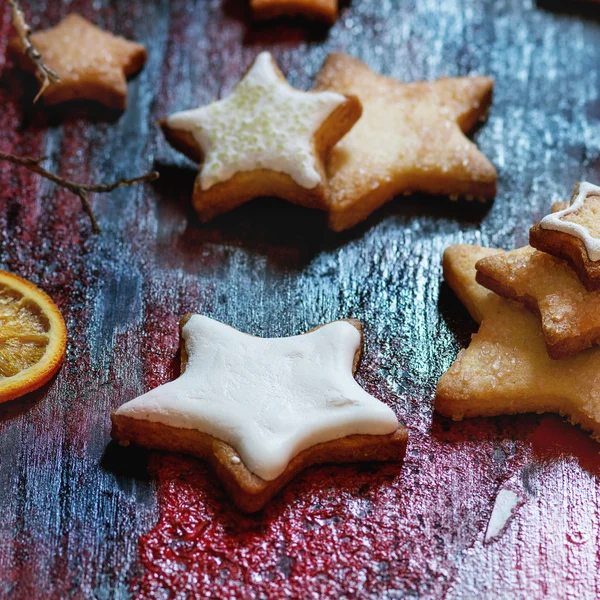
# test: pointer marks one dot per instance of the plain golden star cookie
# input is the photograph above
(409, 139)
(574, 234)
(264, 139)
(506, 368)
(323, 10)
(92, 64)
(261, 410)
(570, 315)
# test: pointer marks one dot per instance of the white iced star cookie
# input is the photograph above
(264, 139)
(260, 410)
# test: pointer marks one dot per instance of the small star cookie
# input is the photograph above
(506, 368)
(264, 139)
(570, 315)
(91, 63)
(574, 234)
(261, 410)
(410, 138)
(324, 10)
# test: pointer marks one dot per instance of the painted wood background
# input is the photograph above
(81, 518)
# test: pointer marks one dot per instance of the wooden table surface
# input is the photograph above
(82, 518)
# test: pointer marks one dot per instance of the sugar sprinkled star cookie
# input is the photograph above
(574, 234)
(260, 410)
(410, 138)
(324, 10)
(264, 139)
(92, 64)
(506, 368)
(570, 315)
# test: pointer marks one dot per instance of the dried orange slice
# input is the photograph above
(33, 337)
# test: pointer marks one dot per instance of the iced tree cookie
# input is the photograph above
(574, 234)
(260, 410)
(410, 138)
(506, 368)
(264, 139)
(92, 64)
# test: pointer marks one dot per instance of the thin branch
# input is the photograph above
(82, 190)
(44, 73)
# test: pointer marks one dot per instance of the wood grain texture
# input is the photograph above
(75, 506)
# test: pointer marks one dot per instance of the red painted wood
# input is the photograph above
(85, 519)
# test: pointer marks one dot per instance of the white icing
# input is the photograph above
(263, 124)
(504, 508)
(555, 222)
(269, 398)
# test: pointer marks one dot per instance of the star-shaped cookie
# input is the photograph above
(324, 10)
(92, 64)
(506, 369)
(264, 139)
(410, 138)
(570, 315)
(574, 234)
(261, 410)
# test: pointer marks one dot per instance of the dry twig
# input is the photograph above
(44, 73)
(79, 189)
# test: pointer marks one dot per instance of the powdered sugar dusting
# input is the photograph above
(504, 509)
